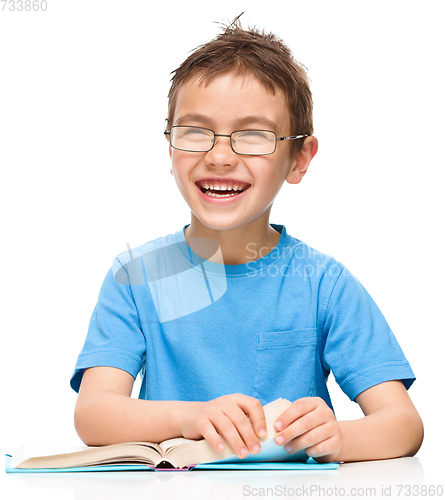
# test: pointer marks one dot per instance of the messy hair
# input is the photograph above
(250, 52)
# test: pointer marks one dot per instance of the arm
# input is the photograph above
(390, 428)
(106, 414)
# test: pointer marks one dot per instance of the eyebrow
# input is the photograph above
(262, 120)
(243, 122)
(191, 117)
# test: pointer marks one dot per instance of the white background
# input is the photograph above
(85, 170)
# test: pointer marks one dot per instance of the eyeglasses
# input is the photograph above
(243, 142)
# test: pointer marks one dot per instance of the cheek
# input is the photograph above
(183, 161)
(182, 165)
(178, 163)
(269, 175)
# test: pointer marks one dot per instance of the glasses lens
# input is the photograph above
(254, 142)
(191, 138)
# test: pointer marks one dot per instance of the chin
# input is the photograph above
(223, 225)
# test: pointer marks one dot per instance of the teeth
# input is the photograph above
(215, 195)
(224, 187)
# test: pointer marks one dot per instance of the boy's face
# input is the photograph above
(232, 102)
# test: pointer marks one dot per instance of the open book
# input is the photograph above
(176, 453)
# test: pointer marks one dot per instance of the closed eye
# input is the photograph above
(252, 133)
(196, 131)
(254, 137)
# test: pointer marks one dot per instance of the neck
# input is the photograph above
(238, 245)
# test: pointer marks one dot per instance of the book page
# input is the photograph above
(53, 457)
(28, 451)
(172, 443)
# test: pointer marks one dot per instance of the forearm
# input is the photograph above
(109, 418)
(387, 433)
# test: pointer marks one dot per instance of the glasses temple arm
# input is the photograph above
(292, 137)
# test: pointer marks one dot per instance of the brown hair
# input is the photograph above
(254, 52)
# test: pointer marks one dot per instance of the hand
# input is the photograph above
(237, 418)
(311, 425)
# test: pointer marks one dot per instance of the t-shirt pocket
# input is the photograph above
(285, 365)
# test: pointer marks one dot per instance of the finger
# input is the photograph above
(325, 451)
(209, 433)
(318, 441)
(244, 428)
(298, 408)
(301, 426)
(228, 430)
(255, 411)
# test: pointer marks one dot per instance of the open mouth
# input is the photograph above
(220, 189)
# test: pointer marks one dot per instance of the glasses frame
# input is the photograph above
(277, 139)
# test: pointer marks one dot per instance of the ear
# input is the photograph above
(302, 160)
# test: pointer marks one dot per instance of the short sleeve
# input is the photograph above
(360, 348)
(115, 337)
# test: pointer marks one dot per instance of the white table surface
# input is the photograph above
(399, 478)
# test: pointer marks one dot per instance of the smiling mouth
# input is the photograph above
(219, 189)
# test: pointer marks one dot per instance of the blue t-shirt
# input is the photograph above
(274, 327)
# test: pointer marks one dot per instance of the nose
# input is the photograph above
(222, 153)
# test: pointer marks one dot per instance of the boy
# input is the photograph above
(232, 312)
